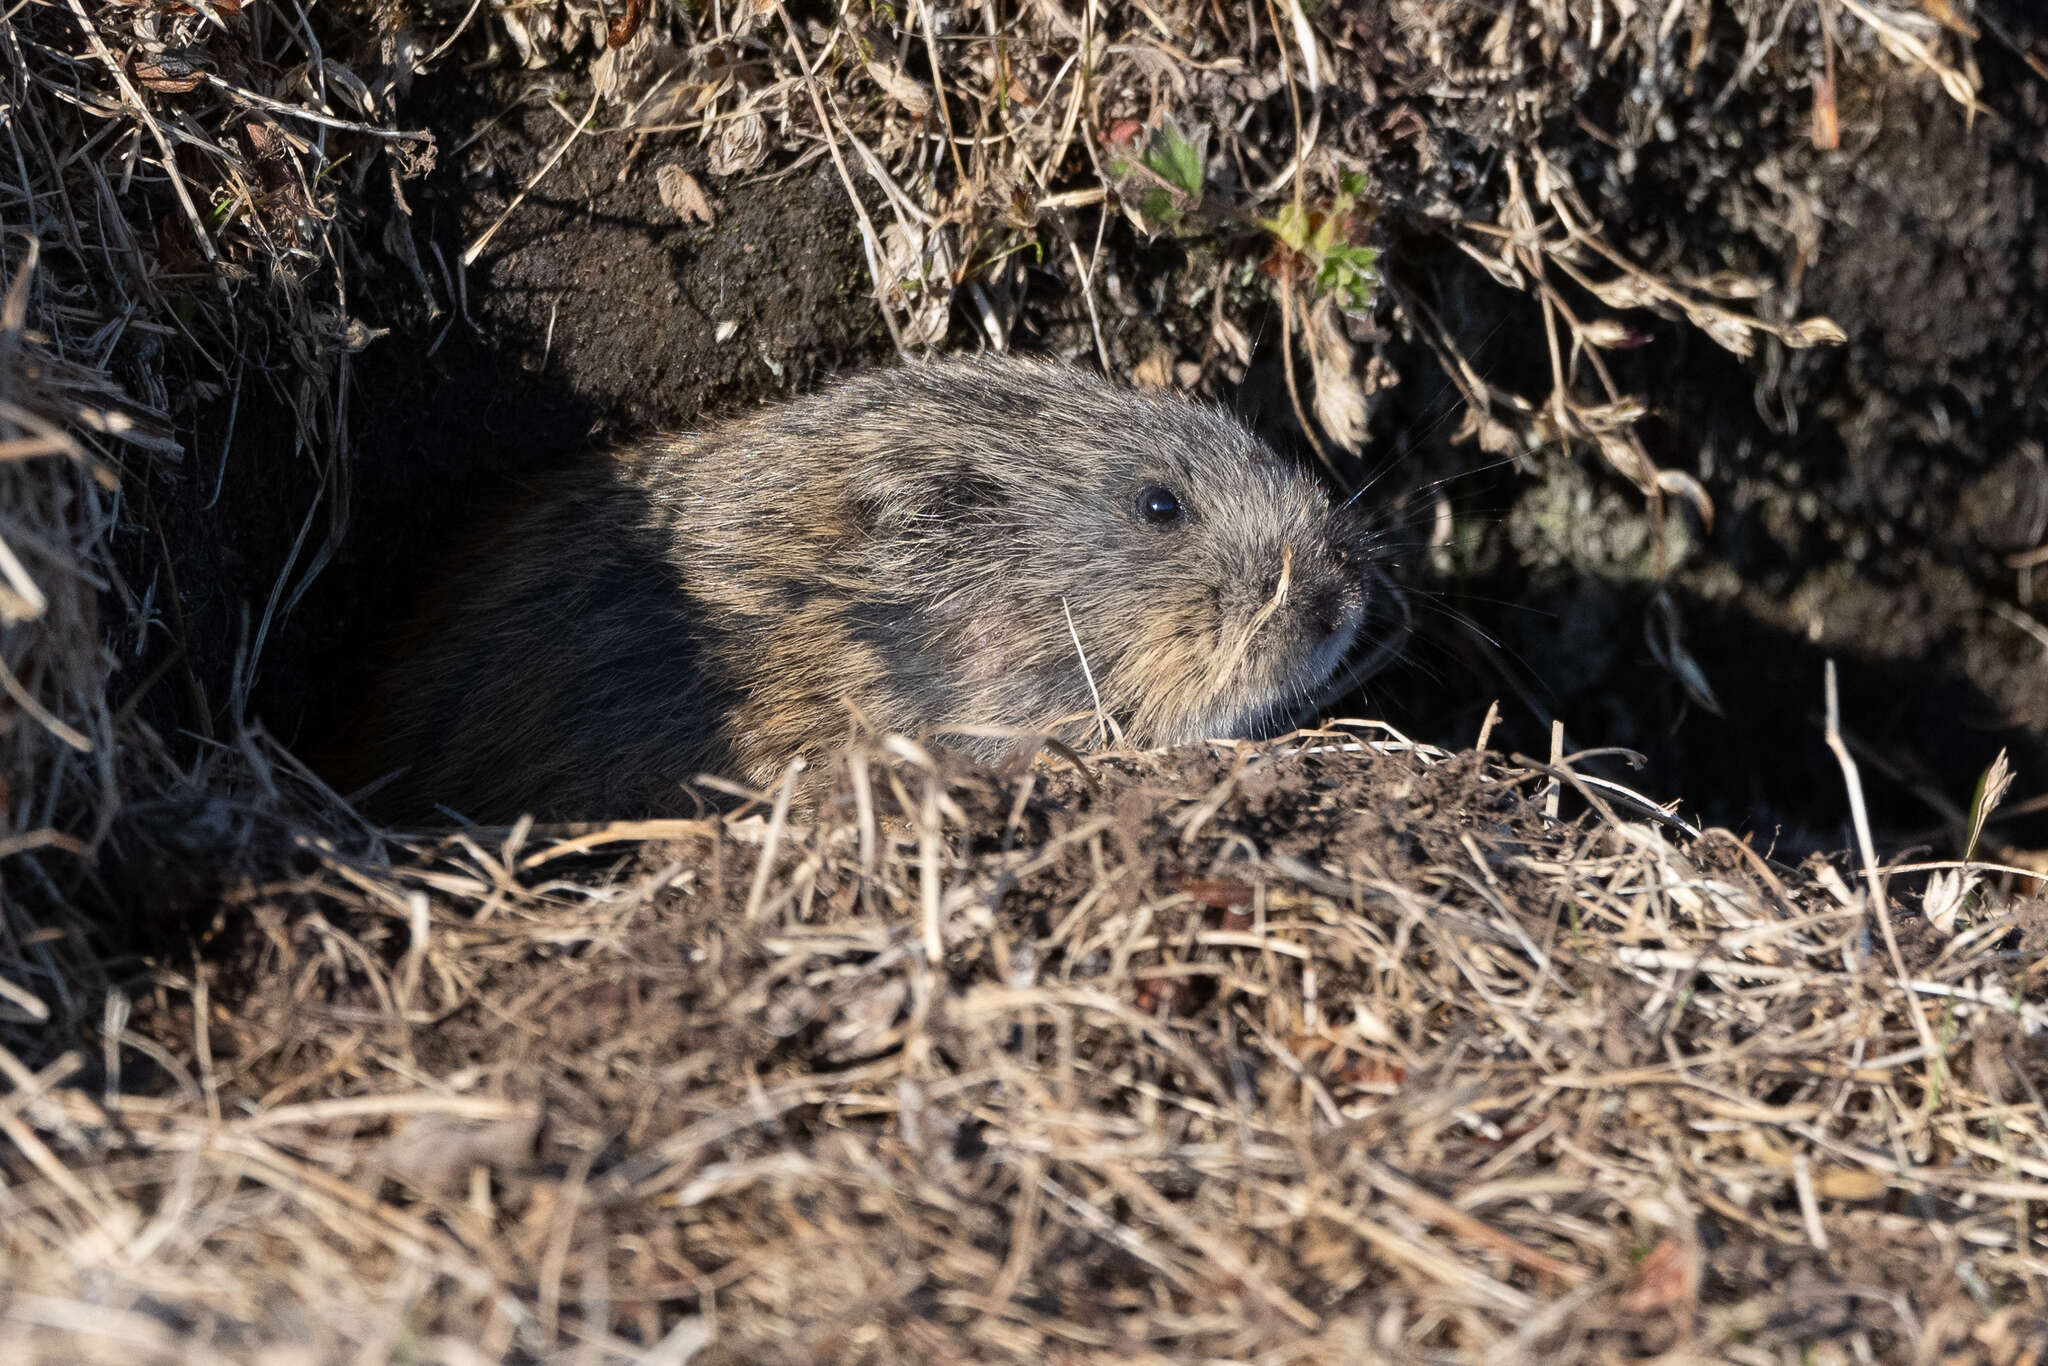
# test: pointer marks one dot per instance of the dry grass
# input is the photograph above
(1309, 1052)
(1332, 1051)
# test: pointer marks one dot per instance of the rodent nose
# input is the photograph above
(1331, 609)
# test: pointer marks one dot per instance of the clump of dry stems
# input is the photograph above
(1338, 1049)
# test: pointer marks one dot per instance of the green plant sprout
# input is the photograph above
(1175, 160)
(1319, 238)
(1163, 185)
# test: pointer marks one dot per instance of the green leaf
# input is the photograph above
(1157, 205)
(1350, 273)
(1175, 160)
(1319, 241)
(1991, 786)
(1290, 225)
(1363, 261)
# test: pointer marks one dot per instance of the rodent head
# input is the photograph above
(979, 528)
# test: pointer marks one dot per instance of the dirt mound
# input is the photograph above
(1334, 1049)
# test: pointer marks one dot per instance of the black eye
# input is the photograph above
(1158, 506)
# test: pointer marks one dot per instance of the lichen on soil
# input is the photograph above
(1682, 351)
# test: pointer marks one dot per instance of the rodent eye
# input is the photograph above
(1159, 506)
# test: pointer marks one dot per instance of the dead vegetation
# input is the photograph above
(1344, 1049)
(1335, 1050)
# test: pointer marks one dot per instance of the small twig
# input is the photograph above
(869, 237)
(930, 851)
(141, 111)
(1308, 428)
(1088, 298)
(772, 844)
(1442, 1213)
(1304, 138)
(476, 247)
(2023, 622)
(931, 47)
(43, 715)
(1873, 878)
(1103, 724)
(296, 111)
(449, 41)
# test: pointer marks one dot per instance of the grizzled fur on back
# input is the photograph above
(922, 547)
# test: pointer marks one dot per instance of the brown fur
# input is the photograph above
(909, 545)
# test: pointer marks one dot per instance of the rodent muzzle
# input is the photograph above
(1331, 624)
(1338, 606)
(1336, 611)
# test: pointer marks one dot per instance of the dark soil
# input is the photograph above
(593, 314)
(1867, 494)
